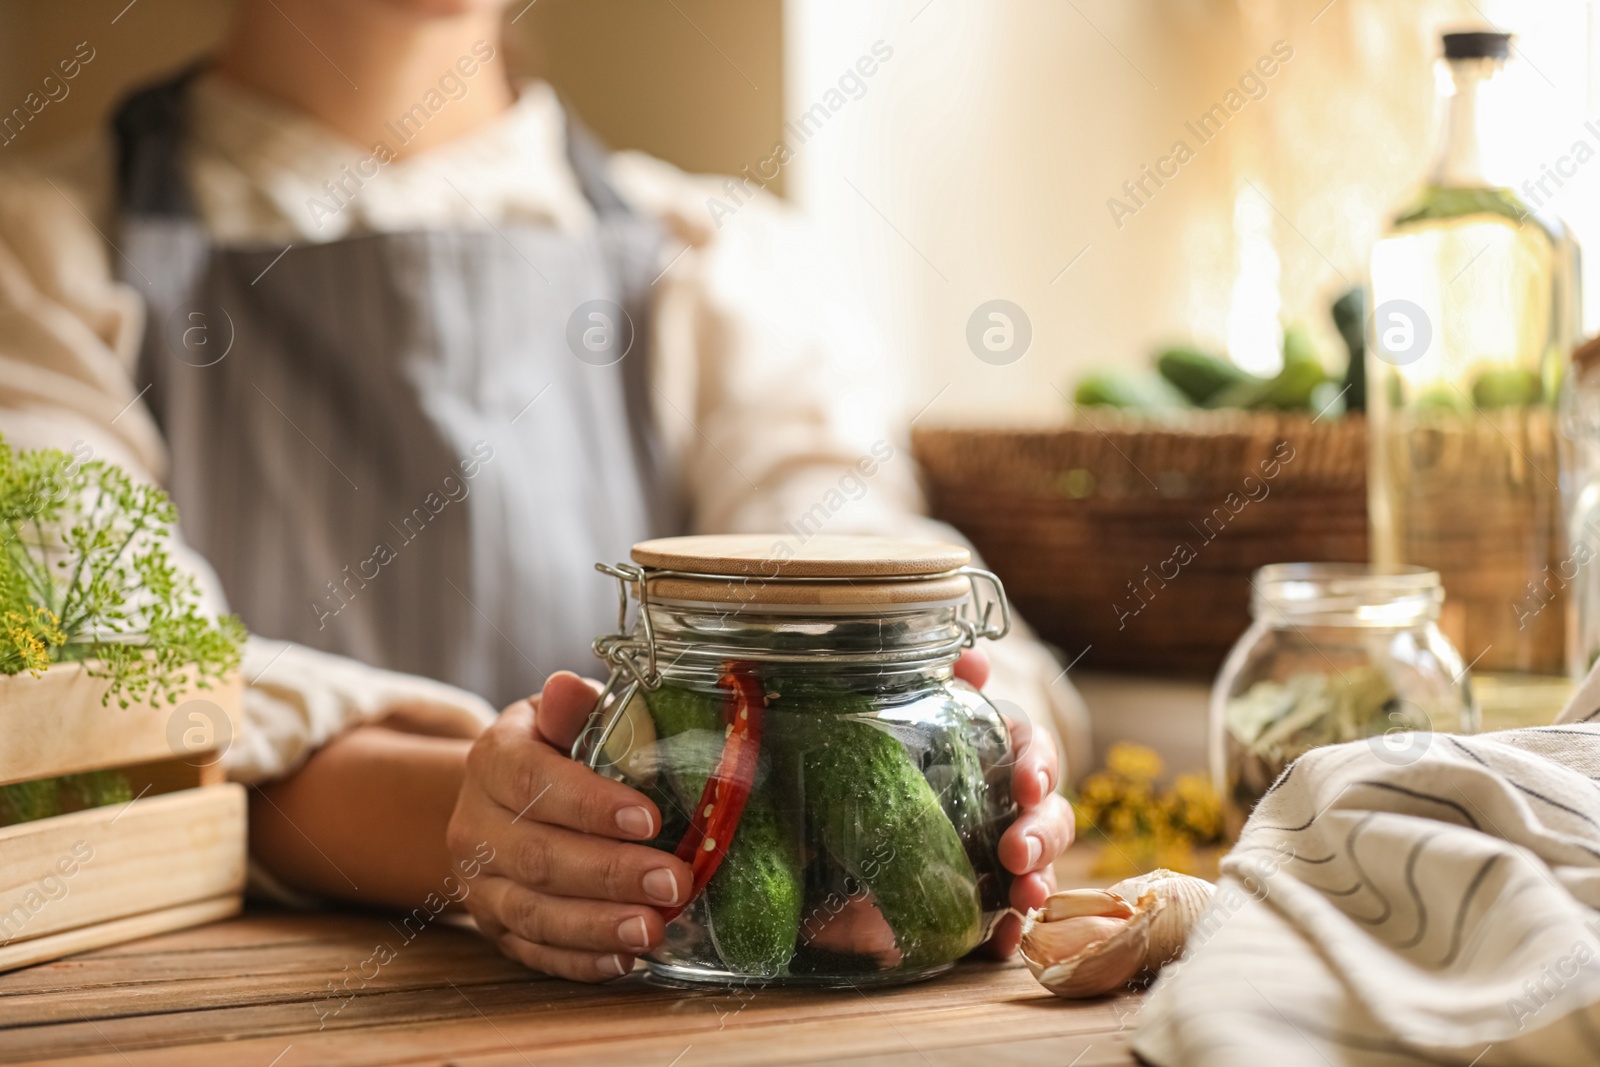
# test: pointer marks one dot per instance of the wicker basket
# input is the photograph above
(1131, 541)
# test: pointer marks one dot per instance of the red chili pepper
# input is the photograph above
(715, 819)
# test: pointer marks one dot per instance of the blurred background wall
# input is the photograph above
(979, 166)
(697, 82)
(977, 159)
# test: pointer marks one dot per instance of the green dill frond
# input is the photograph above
(86, 575)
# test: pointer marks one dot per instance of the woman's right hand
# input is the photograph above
(564, 890)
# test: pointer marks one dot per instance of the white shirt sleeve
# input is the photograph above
(298, 699)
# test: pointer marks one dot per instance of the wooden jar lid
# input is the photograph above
(842, 570)
(822, 556)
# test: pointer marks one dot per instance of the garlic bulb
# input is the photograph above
(1185, 898)
(1087, 942)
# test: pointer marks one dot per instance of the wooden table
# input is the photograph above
(266, 990)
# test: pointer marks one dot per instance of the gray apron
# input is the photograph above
(388, 446)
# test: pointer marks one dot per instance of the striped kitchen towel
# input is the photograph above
(1432, 901)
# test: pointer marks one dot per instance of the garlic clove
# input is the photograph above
(1070, 903)
(1185, 899)
(1062, 939)
(631, 746)
(1093, 955)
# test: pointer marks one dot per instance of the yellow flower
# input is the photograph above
(1101, 789)
(1197, 806)
(1121, 823)
(1086, 817)
(1134, 761)
(31, 634)
(1145, 829)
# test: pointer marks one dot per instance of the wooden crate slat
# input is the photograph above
(159, 921)
(55, 724)
(153, 853)
(258, 930)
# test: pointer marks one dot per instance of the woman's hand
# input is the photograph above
(565, 891)
(1045, 825)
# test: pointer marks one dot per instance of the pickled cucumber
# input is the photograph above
(956, 775)
(866, 803)
(754, 899)
(880, 820)
(677, 711)
(755, 896)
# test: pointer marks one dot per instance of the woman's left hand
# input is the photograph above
(1044, 825)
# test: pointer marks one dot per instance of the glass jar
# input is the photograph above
(1580, 429)
(839, 795)
(1336, 652)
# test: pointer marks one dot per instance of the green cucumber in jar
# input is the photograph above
(981, 810)
(870, 807)
(754, 899)
(755, 896)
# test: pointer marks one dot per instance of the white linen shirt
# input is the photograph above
(768, 385)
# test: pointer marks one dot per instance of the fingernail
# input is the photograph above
(634, 933)
(635, 822)
(612, 965)
(1044, 784)
(1035, 850)
(661, 886)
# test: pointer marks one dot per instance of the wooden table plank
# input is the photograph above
(493, 1041)
(100, 990)
(256, 989)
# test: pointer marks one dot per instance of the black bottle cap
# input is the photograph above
(1477, 45)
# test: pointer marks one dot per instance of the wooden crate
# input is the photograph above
(1083, 523)
(172, 857)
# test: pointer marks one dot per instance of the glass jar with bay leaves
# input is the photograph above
(1336, 652)
(794, 715)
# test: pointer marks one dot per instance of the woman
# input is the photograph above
(411, 353)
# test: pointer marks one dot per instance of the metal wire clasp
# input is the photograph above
(983, 608)
(625, 649)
